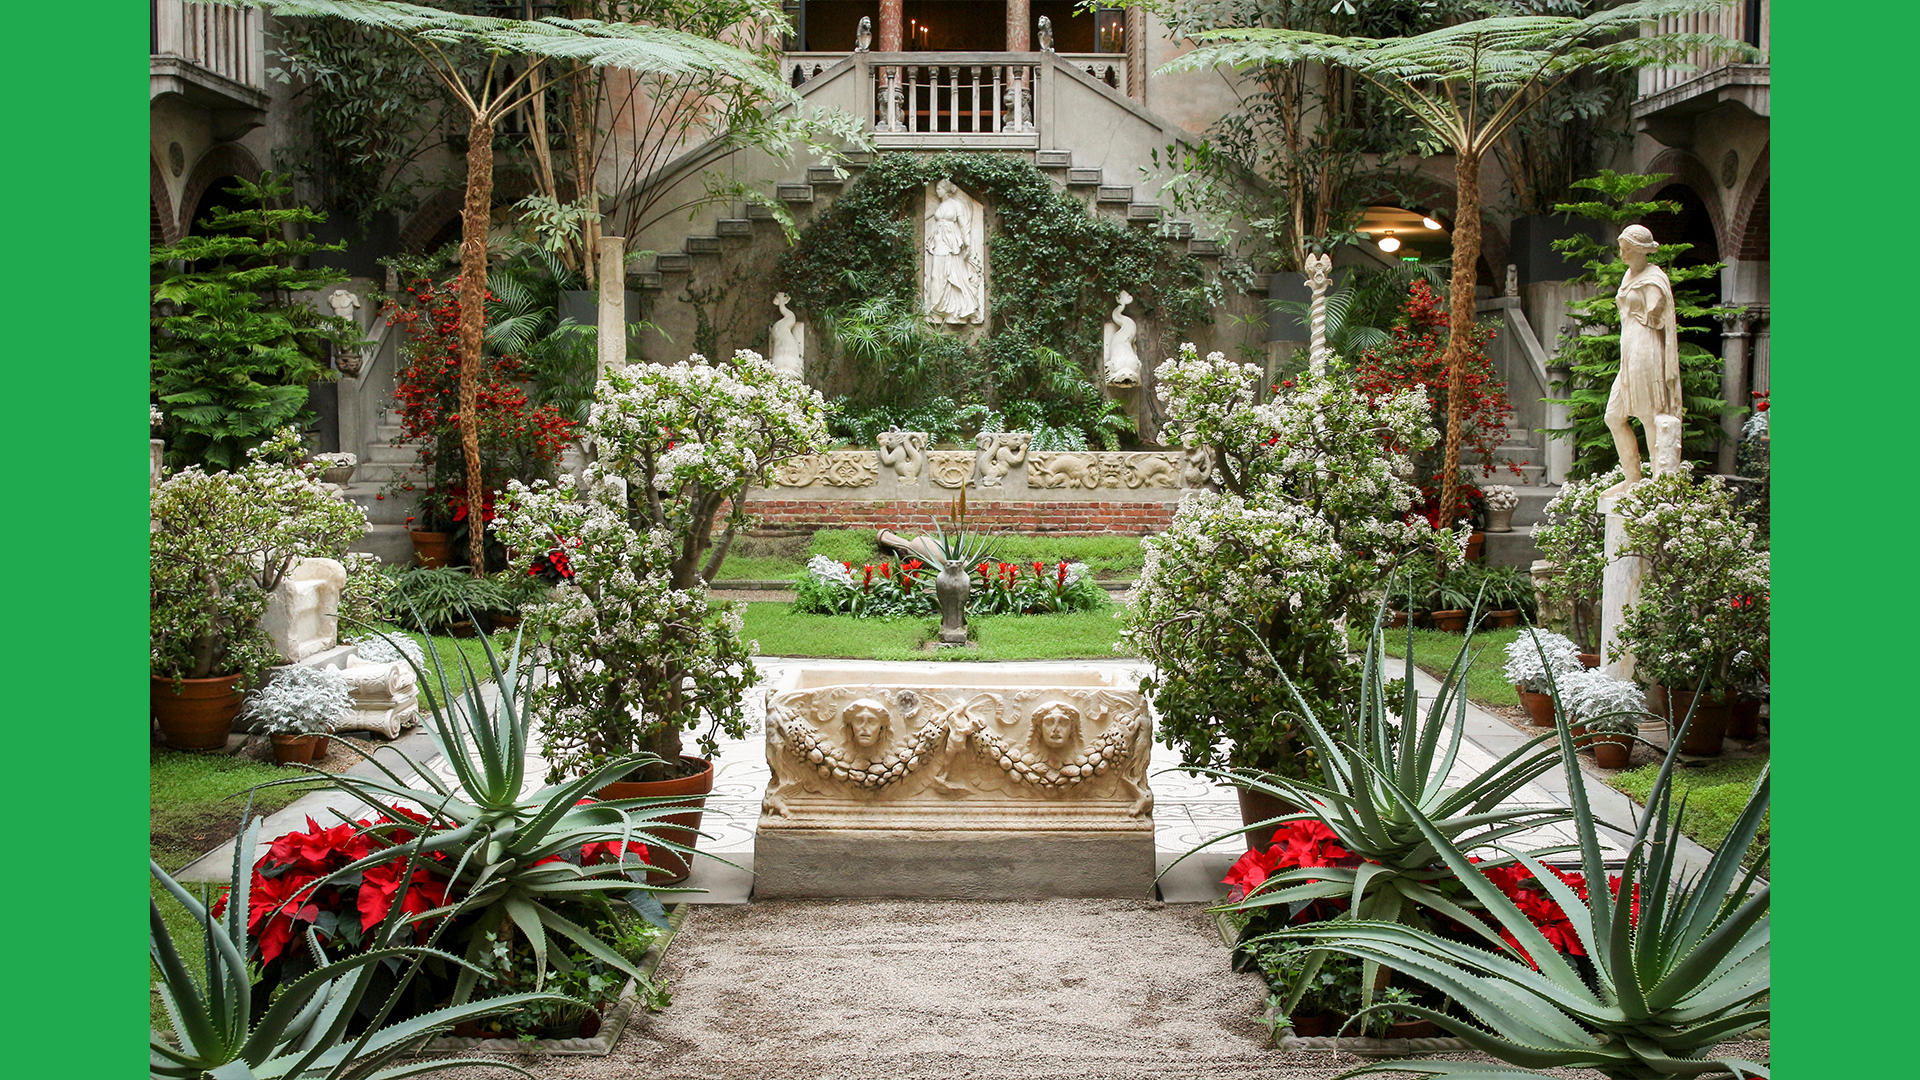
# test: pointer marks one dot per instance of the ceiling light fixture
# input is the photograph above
(1389, 243)
(1431, 223)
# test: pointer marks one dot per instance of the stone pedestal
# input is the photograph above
(956, 780)
(1619, 587)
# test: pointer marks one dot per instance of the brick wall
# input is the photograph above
(911, 516)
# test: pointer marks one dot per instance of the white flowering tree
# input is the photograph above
(694, 437)
(1572, 534)
(638, 652)
(1313, 513)
(1704, 606)
(220, 544)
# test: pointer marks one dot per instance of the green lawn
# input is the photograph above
(1074, 635)
(780, 558)
(1434, 652)
(1716, 792)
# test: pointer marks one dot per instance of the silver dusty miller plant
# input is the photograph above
(299, 701)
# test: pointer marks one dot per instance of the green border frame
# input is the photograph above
(74, 272)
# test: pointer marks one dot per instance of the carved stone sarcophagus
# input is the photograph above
(956, 780)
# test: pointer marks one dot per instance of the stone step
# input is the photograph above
(1085, 178)
(1113, 193)
(1144, 211)
(673, 262)
(757, 212)
(648, 279)
(1053, 159)
(794, 193)
(823, 174)
(1514, 548)
(385, 453)
(733, 227)
(381, 508)
(703, 245)
(1203, 247)
(390, 543)
(857, 159)
(379, 474)
(1178, 230)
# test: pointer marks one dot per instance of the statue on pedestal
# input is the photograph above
(1120, 361)
(787, 344)
(1648, 386)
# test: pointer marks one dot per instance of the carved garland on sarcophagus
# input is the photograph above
(838, 468)
(909, 746)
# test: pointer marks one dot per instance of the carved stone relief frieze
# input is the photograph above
(905, 452)
(837, 468)
(999, 453)
(950, 467)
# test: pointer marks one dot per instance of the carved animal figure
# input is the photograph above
(1063, 471)
(999, 453)
(905, 452)
(1122, 363)
(863, 34)
(1151, 471)
(787, 344)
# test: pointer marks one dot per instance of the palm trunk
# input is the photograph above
(1466, 253)
(475, 220)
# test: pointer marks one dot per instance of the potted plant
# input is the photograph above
(1309, 519)
(298, 706)
(639, 653)
(1605, 714)
(336, 468)
(1453, 596)
(443, 600)
(1506, 595)
(1502, 501)
(220, 542)
(1703, 600)
(1537, 660)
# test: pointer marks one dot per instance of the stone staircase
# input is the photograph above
(384, 464)
(1524, 448)
(818, 187)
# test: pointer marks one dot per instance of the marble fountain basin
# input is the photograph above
(935, 779)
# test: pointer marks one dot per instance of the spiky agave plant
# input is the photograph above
(1679, 963)
(303, 1033)
(1390, 797)
(499, 843)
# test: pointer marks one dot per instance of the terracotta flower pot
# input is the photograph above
(1500, 620)
(1539, 707)
(1414, 1029)
(1476, 546)
(670, 866)
(1259, 806)
(1590, 660)
(1395, 620)
(1611, 751)
(294, 749)
(431, 549)
(1744, 722)
(1706, 736)
(1453, 622)
(199, 716)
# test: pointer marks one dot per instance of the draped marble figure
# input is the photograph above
(1648, 386)
(954, 283)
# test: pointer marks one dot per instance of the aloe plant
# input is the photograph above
(302, 1033)
(1685, 971)
(498, 842)
(1390, 798)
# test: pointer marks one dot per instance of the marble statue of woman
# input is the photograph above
(786, 346)
(1648, 386)
(955, 279)
(1121, 362)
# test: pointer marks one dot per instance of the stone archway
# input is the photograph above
(223, 162)
(165, 221)
(1750, 232)
(1685, 170)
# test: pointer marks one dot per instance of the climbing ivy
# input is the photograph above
(1054, 270)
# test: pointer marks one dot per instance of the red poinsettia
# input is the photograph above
(380, 886)
(1296, 845)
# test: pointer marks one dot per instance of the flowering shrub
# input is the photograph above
(1314, 512)
(517, 440)
(1415, 358)
(365, 596)
(1009, 589)
(834, 587)
(298, 700)
(1526, 668)
(221, 542)
(634, 659)
(1703, 610)
(1572, 534)
(694, 437)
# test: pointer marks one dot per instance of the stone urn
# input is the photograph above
(951, 588)
(1501, 503)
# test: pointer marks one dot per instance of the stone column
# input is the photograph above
(1737, 334)
(1559, 447)
(1619, 588)
(1137, 53)
(613, 303)
(1761, 347)
(891, 25)
(1019, 26)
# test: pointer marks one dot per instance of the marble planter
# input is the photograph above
(990, 781)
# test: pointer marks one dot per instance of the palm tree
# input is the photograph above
(443, 39)
(1465, 86)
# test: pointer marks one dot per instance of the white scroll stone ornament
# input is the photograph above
(1120, 361)
(302, 619)
(787, 345)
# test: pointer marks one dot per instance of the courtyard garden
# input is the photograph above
(563, 666)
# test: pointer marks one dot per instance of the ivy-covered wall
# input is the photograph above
(1055, 267)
